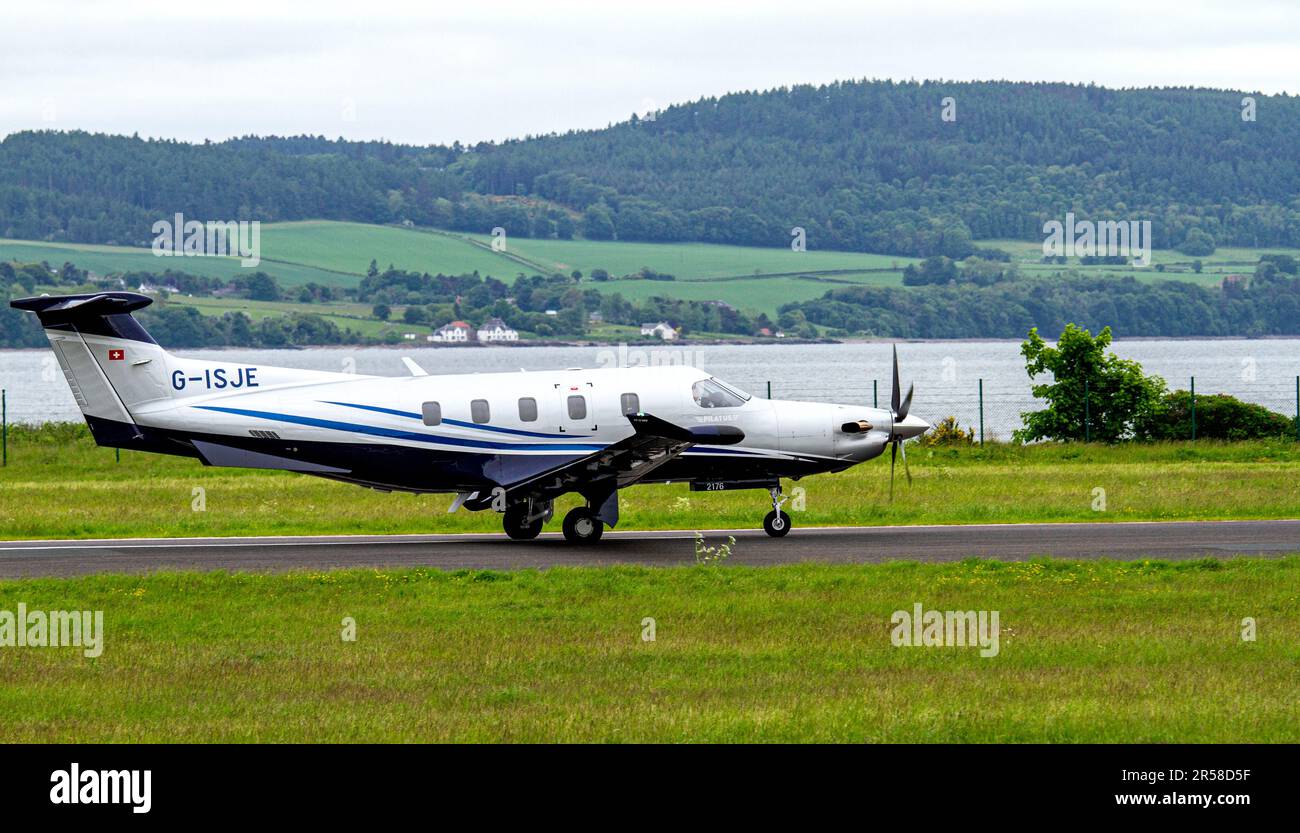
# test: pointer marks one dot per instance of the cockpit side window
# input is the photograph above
(710, 393)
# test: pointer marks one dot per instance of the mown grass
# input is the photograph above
(58, 484)
(1095, 651)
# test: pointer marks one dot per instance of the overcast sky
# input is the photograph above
(427, 72)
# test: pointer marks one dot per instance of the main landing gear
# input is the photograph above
(581, 526)
(777, 523)
(523, 521)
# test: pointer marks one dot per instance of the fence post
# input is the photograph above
(1297, 408)
(1193, 407)
(875, 393)
(4, 425)
(981, 412)
(1087, 414)
(769, 388)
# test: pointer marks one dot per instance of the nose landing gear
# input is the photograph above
(777, 523)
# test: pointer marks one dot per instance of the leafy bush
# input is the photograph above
(948, 432)
(1219, 417)
(1094, 394)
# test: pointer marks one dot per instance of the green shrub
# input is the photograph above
(948, 432)
(1219, 417)
(1094, 394)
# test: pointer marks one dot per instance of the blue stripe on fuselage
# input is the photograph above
(392, 433)
(441, 439)
(456, 422)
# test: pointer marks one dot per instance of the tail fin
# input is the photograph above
(111, 363)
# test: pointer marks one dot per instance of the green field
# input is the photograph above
(358, 317)
(1086, 652)
(690, 261)
(759, 294)
(338, 254)
(59, 485)
(349, 248)
(755, 279)
(1178, 266)
(106, 260)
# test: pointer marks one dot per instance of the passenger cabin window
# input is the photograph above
(432, 412)
(630, 403)
(528, 409)
(710, 393)
(577, 407)
(478, 411)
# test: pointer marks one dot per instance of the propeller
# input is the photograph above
(899, 405)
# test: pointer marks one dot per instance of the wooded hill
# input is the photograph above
(862, 166)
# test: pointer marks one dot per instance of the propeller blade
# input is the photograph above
(901, 413)
(906, 470)
(893, 455)
(896, 392)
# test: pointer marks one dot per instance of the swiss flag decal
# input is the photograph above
(116, 355)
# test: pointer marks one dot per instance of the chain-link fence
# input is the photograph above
(994, 410)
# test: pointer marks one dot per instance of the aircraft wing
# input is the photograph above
(623, 463)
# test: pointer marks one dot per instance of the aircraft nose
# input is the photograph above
(910, 426)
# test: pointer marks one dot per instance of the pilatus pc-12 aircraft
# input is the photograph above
(512, 442)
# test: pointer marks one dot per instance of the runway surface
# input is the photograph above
(1172, 540)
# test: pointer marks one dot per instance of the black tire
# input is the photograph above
(516, 524)
(582, 527)
(776, 526)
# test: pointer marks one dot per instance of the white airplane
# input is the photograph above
(512, 442)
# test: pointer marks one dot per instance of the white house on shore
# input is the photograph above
(456, 332)
(660, 329)
(494, 329)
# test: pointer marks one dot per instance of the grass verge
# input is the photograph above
(1092, 651)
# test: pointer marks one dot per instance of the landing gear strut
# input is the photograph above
(777, 523)
(582, 527)
(523, 521)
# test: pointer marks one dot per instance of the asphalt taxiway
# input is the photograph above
(1127, 541)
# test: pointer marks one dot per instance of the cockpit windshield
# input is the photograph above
(710, 393)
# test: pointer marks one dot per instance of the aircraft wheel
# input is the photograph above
(517, 526)
(776, 524)
(582, 527)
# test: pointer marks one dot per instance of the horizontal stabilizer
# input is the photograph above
(57, 309)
